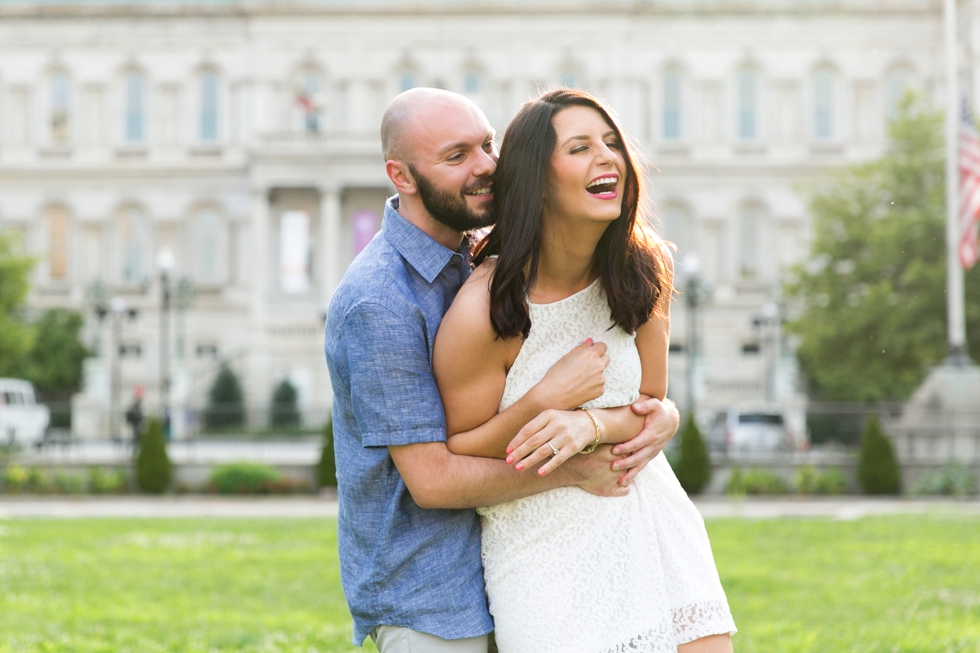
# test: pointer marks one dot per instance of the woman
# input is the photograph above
(570, 261)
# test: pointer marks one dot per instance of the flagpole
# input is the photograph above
(955, 314)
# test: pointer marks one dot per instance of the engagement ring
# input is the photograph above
(554, 452)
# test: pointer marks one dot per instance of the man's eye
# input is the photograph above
(456, 157)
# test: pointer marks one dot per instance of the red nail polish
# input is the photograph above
(510, 449)
(509, 460)
(519, 466)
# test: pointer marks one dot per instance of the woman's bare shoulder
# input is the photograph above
(468, 319)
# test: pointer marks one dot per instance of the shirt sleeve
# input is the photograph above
(393, 390)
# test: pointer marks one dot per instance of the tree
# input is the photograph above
(284, 411)
(54, 363)
(873, 294)
(15, 335)
(326, 469)
(693, 468)
(877, 467)
(153, 469)
(226, 406)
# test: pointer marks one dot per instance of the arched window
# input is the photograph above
(210, 247)
(135, 107)
(899, 81)
(471, 83)
(672, 105)
(58, 243)
(309, 100)
(678, 230)
(823, 104)
(747, 93)
(134, 246)
(748, 241)
(406, 81)
(209, 106)
(60, 97)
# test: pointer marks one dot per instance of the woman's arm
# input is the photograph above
(470, 364)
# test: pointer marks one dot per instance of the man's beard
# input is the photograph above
(451, 209)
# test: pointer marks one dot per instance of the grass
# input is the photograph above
(878, 585)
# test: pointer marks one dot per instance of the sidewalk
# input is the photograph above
(843, 508)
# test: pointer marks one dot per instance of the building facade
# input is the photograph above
(241, 139)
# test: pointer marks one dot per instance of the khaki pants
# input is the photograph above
(394, 639)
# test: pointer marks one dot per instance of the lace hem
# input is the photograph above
(702, 619)
(655, 640)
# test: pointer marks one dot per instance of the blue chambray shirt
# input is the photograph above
(400, 565)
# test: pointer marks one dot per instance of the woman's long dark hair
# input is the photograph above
(631, 261)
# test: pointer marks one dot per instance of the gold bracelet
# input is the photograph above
(598, 435)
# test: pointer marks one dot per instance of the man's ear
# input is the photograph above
(401, 177)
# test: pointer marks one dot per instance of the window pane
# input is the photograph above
(898, 83)
(133, 239)
(676, 229)
(310, 101)
(823, 101)
(749, 242)
(672, 105)
(134, 107)
(58, 243)
(406, 82)
(471, 84)
(209, 107)
(59, 107)
(569, 79)
(747, 104)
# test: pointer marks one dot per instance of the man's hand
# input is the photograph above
(594, 474)
(660, 423)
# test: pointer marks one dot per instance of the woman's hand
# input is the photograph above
(578, 376)
(559, 434)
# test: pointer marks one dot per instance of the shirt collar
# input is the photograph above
(421, 251)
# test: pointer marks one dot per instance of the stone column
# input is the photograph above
(329, 246)
(260, 270)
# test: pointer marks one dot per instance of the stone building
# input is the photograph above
(241, 138)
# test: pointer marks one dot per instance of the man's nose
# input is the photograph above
(485, 164)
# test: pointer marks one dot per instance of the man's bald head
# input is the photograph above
(411, 113)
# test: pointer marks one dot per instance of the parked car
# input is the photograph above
(23, 421)
(737, 429)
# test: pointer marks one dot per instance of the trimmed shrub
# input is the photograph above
(754, 481)
(244, 478)
(38, 482)
(326, 469)
(153, 469)
(14, 479)
(102, 481)
(805, 479)
(226, 403)
(831, 481)
(67, 483)
(954, 479)
(284, 410)
(877, 467)
(693, 468)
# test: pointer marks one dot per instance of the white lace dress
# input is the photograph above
(570, 572)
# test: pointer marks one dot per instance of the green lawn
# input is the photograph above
(892, 584)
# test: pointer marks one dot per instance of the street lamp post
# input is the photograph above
(115, 309)
(769, 323)
(696, 291)
(165, 264)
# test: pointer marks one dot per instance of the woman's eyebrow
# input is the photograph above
(583, 137)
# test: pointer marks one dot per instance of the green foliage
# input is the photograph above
(226, 407)
(153, 469)
(873, 291)
(954, 479)
(877, 467)
(14, 479)
(831, 481)
(102, 481)
(284, 410)
(38, 482)
(326, 469)
(754, 481)
(693, 468)
(244, 478)
(16, 336)
(54, 363)
(807, 480)
(69, 482)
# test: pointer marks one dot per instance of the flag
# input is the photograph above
(969, 155)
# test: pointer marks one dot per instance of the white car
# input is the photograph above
(750, 430)
(23, 421)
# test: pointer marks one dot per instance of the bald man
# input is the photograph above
(409, 537)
